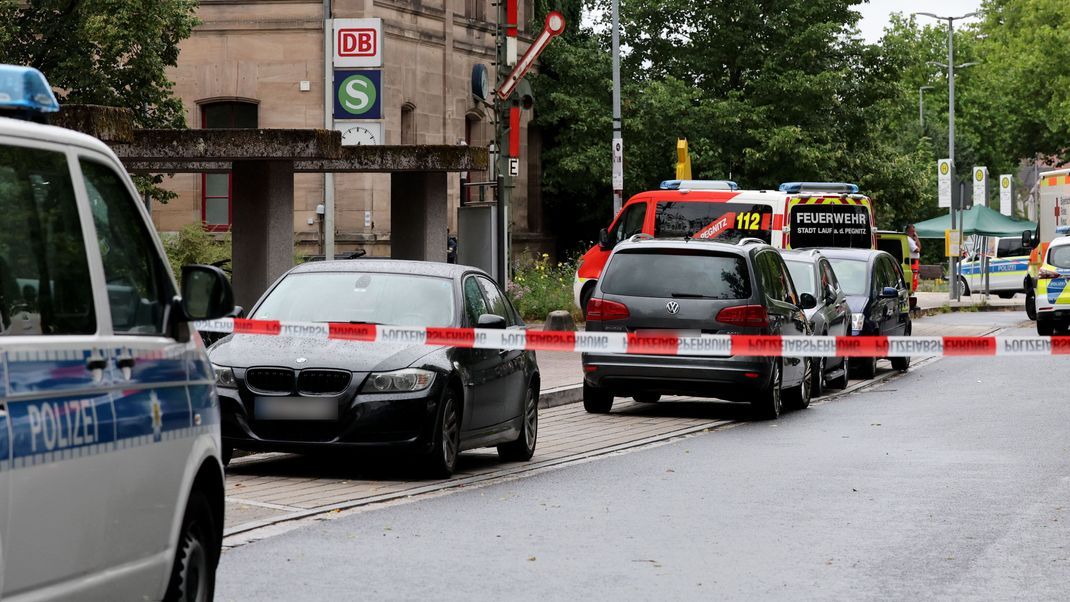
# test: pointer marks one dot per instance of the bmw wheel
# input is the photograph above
(523, 447)
(442, 459)
(768, 404)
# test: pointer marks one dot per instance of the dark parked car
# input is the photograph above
(294, 394)
(694, 287)
(812, 273)
(879, 298)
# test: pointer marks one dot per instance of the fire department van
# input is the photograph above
(111, 485)
(797, 215)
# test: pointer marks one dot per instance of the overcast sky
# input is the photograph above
(875, 13)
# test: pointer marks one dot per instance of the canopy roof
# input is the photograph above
(978, 220)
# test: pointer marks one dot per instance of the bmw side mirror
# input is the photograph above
(889, 292)
(603, 240)
(491, 321)
(206, 293)
(807, 301)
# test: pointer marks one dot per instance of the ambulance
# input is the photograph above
(111, 480)
(796, 215)
(1053, 213)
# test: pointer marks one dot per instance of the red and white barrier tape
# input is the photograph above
(649, 344)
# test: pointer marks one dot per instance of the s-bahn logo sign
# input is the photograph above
(357, 95)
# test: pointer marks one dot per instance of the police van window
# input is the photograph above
(1011, 247)
(629, 224)
(139, 289)
(44, 278)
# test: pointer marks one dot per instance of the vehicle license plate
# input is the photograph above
(295, 408)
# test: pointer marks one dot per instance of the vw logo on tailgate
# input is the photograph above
(672, 307)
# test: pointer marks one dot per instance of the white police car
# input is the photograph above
(111, 484)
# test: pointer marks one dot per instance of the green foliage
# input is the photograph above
(192, 245)
(106, 52)
(540, 286)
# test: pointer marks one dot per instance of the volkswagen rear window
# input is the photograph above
(677, 274)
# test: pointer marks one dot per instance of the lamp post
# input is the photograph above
(953, 261)
(921, 105)
(618, 152)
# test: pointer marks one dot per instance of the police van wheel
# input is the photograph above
(1031, 304)
(193, 573)
(1045, 327)
(965, 288)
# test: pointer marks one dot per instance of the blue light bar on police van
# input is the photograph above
(699, 185)
(839, 187)
(1062, 229)
(25, 89)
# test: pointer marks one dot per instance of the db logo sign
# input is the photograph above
(358, 42)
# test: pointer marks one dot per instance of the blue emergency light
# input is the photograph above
(1060, 230)
(838, 187)
(25, 93)
(699, 185)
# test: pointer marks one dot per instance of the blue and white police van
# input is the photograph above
(111, 484)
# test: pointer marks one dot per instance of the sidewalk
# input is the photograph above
(977, 301)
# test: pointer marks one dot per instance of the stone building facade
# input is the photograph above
(260, 63)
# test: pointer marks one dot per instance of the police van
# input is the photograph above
(111, 485)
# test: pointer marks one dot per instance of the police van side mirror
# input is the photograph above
(1027, 239)
(206, 293)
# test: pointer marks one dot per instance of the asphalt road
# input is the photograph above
(952, 481)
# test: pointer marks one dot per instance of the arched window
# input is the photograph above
(216, 187)
(408, 123)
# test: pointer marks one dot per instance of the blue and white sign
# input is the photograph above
(357, 94)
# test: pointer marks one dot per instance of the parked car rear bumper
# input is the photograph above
(732, 378)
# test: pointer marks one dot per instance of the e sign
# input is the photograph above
(358, 42)
(980, 186)
(943, 169)
(357, 95)
(1005, 199)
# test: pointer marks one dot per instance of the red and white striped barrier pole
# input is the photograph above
(648, 344)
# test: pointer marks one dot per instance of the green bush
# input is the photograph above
(540, 286)
(192, 245)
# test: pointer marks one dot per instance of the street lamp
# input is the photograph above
(953, 261)
(921, 105)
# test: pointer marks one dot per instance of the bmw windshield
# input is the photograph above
(361, 297)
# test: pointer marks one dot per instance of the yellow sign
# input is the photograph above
(952, 243)
(944, 168)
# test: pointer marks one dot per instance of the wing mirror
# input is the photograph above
(603, 240)
(889, 292)
(1028, 241)
(206, 293)
(807, 301)
(491, 321)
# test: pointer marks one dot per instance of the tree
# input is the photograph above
(107, 52)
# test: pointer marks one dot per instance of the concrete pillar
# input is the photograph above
(418, 211)
(262, 215)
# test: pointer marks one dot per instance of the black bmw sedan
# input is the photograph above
(297, 394)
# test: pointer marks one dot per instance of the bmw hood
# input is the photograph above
(245, 351)
(857, 303)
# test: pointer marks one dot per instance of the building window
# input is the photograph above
(408, 123)
(216, 187)
(475, 9)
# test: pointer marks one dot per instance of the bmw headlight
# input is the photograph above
(398, 381)
(857, 321)
(224, 377)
